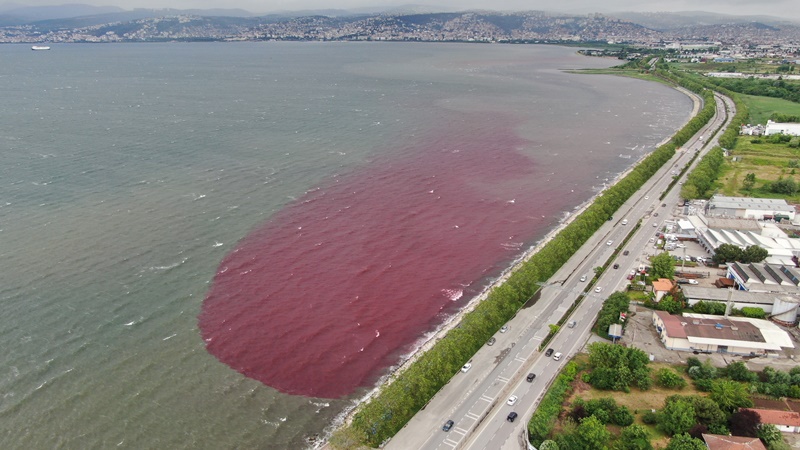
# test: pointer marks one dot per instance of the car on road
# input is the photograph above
(572, 323)
(512, 416)
(583, 277)
(663, 204)
(655, 224)
(616, 266)
(504, 328)
(598, 289)
(512, 400)
(609, 243)
(447, 425)
(655, 214)
(491, 341)
(530, 377)
(548, 352)
(465, 368)
(625, 253)
(625, 222)
(557, 356)
(646, 197)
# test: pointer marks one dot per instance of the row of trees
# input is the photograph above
(765, 88)
(726, 253)
(541, 424)
(700, 182)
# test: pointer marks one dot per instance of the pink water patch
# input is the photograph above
(330, 292)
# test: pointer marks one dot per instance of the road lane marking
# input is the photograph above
(486, 398)
(472, 415)
(503, 379)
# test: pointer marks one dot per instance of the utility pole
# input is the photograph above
(728, 303)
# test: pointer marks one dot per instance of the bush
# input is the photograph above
(667, 378)
(650, 418)
(550, 407)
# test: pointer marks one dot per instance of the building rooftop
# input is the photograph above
(776, 417)
(771, 204)
(721, 295)
(772, 337)
(720, 442)
(672, 324)
(759, 277)
(662, 284)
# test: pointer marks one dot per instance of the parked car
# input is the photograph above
(465, 368)
(693, 282)
(512, 400)
(530, 377)
(504, 328)
(512, 416)
(447, 425)
(548, 352)
(491, 341)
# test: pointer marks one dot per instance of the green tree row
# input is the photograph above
(615, 367)
(701, 180)
(549, 408)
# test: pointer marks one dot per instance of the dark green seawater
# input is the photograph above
(129, 171)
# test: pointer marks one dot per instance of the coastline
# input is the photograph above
(451, 322)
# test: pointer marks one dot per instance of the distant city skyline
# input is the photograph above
(789, 9)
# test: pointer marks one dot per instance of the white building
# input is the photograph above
(792, 129)
(780, 307)
(752, 208)
(707, 333)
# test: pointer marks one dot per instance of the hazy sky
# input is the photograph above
(779, 8)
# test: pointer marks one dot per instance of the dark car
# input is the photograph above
(663, 204)
(511, 416)
(616, 266)
(548, 352)
(655, 214)
(625, 253)
(530, 377)
(447, 425)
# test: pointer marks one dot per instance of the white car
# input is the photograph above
(693, 282)
(609, 243)
(625, 222)
(504, 328)
(465, 368)
(598, 289)
(646, 197)
(583, 278)
(512, 400)
(655, 224)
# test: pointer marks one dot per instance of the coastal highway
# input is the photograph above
(476, 400)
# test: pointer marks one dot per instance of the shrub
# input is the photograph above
(666, 377)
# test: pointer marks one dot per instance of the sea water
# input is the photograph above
(226, 245)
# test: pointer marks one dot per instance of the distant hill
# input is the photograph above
(17, 15)
(663, 21)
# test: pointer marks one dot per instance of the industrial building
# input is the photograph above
(792, 129)
(778, 307)
(753, 208)
(718, 334)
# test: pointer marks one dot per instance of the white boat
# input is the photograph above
(40, 47)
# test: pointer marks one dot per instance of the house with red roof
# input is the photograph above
(788, 421)
(720, 442)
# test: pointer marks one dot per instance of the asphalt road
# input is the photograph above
(476, 400)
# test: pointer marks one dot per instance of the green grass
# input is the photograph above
(762, 107)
